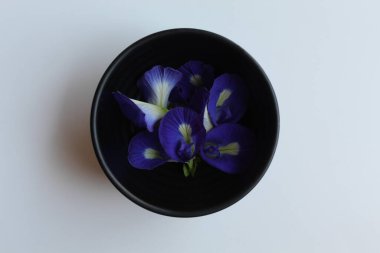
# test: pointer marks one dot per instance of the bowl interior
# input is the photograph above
(165, 190)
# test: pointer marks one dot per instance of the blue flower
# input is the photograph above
(228, 100)
(142, 114)
(202, 124)
(145, 151)
(229, 148)
(156, 86)
(196, 76)
(181, 134)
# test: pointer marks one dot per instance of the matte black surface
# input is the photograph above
(165, 190)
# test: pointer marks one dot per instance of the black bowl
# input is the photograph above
(165, 190)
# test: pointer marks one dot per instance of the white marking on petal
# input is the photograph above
(162, 91)
(185, 130)
(151, 153)
(207, 120)
(230, 149)
(196, 80)
(223, 96)
(153, 113)
(160, 82)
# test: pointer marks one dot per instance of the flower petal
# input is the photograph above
(157, 84)
(140, 113)
(228, 99)
(228, 147)
(196, 74)
(181, 133)
(145, 151)
(206, 120)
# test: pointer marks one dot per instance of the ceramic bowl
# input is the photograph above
(165, 190)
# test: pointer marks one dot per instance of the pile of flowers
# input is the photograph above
(188, 115)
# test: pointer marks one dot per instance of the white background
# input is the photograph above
(321, 193)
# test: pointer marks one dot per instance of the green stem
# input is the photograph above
(186, 171)
(190, 167)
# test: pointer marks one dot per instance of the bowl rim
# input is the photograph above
(96, 145)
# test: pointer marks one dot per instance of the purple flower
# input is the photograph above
(228, 100)
(228, 147)
(145, 151)
(195, 75)
(142, 114)
(181, 134)
(156, 85)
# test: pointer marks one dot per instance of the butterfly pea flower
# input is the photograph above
(228, 147)
(195, 75)
(156, 86)
(142, 114)
(181, 134)
(145, 151)
(227, 102)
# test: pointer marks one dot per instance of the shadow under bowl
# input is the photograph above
(165, 190)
